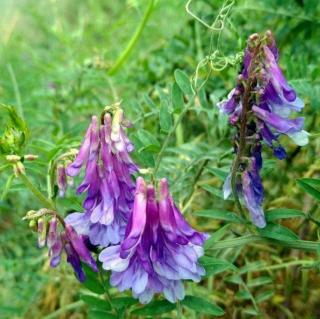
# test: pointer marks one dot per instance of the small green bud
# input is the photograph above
(30, 157)
(33, 225)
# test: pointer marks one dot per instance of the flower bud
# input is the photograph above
(61, 180)
(13, 158)
(116, 121)
(18, 169)
(33, 225)
(42, 232)
(30, 157)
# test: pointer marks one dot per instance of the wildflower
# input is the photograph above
(57, 241)
(107, 182)
(61, 180)
(159, 250)
(259, 107)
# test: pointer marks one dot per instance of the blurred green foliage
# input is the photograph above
(55, 56)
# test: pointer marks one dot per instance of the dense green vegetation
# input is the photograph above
(60, 64)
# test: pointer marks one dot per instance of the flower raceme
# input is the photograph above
(107, 182)
(57, 241)
(159, 249)
(259, 107)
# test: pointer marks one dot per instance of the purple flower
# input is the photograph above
(259, 107)
(54, 243)
(159, 250)
(61, 180)
(107, 182)
(66, 239)
(77, 251)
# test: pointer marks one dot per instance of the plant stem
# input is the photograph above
(196, 178)
(283, 265)
(242, 133)
(171, 132)
(106, 292)
(248, 239)
(133, 41)
(179, 310)
(59, 312)
(16, 89)
(44, 200)
(242, 145)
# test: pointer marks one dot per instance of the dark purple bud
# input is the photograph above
(82, 251)
(61, 180)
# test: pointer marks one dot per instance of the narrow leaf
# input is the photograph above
(306, 185)
(156, 307)
(214, 266)
(165, 116)
(183, 82)
(219, 214)
(202, 306)
(177, 98)
(96, 302)
(277, 232)
(282, 213)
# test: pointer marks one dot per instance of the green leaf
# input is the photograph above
(214, 190)
(306, 183)
(183, 82)
(234, 279)
(219, 214)
(221, 174)
(165, 116)
(216, 236)
(259, 281)
(156, 307)
(311, 181)
(177, 98)
(95, 302)
(282, 213)
(99, 314)
(123, 302)
(92, 281)
(148, 140)
(214, 266)
(278, 232)
(254, 266)
(265, 295)
(202, 306)
(243, 295)
(250, 311)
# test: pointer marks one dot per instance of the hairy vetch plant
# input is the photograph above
(108, 179)
(259, 107)
(159, 249)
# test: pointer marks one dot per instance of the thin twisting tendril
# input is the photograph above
(216, 60)
(218, 23)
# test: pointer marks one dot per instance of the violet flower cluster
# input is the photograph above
(150, 247)
(160, 248)
(68, 240)
(260, 107)
(107, 182)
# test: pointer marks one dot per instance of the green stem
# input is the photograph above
(196, 178)
(59, 312)
(283, 265)
(133, 41)
(16, 89)
(106, 293)
(179, 310)
(248, 239)
(171, 132)
(44, 200)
